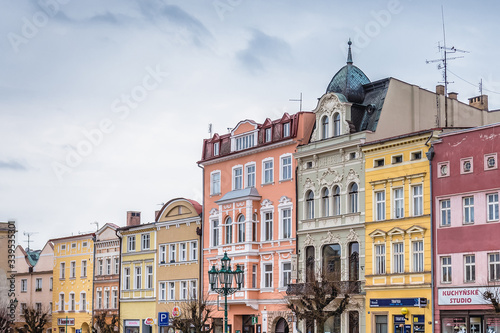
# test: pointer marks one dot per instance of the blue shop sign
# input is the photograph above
(388, 302)
(163, 319)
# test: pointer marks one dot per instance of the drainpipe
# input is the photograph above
(94, 239)
(119, 235)
(430, 156)
(202, 215)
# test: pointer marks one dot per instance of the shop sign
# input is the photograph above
(149, 321)
(176, 311)
(65, 321)
(399, 319)
(388, 302)
(462, 296)
(133, 323)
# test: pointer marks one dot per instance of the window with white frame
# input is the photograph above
(115, 299)
(336, 124)
(216, 148)
(286, 167)
(149, 277)
(286, 274)
(310, 205)
(286, 223)
(71, 302)
(254, 276)
(38, 307)
(418, 256)
(490, 161)
(353, 198)
(445, 207)
(194, 251)
(245, 142)
(228, 230)
(268, 134)
(138, 278)
(83, 269)
(380, 205)
(145, 241)
(446, 269)
(286, 130)
(250, 175)
(171, 291)
(194, 289)
(268, 276)
(215, 233)
(268, 168)
(325, 202)
(418, 203)
(24, 285)
(99, 299)
(83, 301)
(379, 259)
(108, 266)
(399, 203)
(470, 268)
(398, 257)
(72, 269)
(182, 251)
(163, 291)
(466, 165)
(268, 226)
(324, 127)
(254, 227)
(163, 254)
(494, 266)
(492, 200)
(62, 270)
(126, 278)
(106, 299)
(468, 210)
(184, 290)
(336, 200)
(99, 267)
(38, 284)
(61, 302)
(172, 253)
(131, 243)
(215, 183)
(241, 228)
(237, 178)
(117, 265)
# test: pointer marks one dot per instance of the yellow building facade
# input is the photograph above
(138, 278)
(398, 234)
(72, 284)
(178, 273)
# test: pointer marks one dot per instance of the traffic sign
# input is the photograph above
(163, 318)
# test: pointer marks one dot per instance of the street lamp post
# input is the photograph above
(221, 281)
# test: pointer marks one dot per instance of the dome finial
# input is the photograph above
(349, 54)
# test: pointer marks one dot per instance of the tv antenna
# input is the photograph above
(443, 65)
(298, 100)
(96, 225)
(210, 130)
(29, 235)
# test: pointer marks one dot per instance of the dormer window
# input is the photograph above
(286, 130)
(268, 135)
(245, 142)
(324, 127)
(336, 124)
(216, 149)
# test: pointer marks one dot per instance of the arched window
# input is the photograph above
(353, 198)
(310, 267)
(325, 202)
(229, 230)
(336, 200)
(331, 262)
(241, 228)
(324, 127)
(354, 261)
(310, 205)
(336, 124)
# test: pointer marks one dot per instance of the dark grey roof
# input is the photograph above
(249, 192)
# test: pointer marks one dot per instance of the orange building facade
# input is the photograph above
(250, 213)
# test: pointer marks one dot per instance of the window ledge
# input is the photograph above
(267, 290)
(286, 180)
(266, 184)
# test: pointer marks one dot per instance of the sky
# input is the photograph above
(104, 105)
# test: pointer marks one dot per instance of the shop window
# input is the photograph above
(380, 324)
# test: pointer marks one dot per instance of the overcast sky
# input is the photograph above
(104, 104)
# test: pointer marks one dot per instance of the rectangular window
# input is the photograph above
(286, 223)
(286, 130)
(398, 255)
(83, 299)
(268, 172)
(163, 254)
(378, 163)
(131, 243)
(268, 276)
(468, 212)
(245, 142)
(126, 278)
(72, 302)
(62, 270)
(418, 256)
(183, 252)
(99, 299)
(237, 178)
(286, 274)
(492, 200)
(216, 148)
(254, 276)
(241, 232)
(446, 269)
(399, 203)
(24, 285)
(38, 284)
(380, 259)
(250, 172)
(117, 265)
(268, 226)
(269, 133)
(163, 291)
(145, 241)
(61, 302)
(397, 159)
(83, 270)
(99, 267)
(106, 299)
(470, 268)
(418, 203)
(171, 291)
(72, 269)
(149, 277)
(380, 205)
(38, 307)
(445, 206)
(194, 290)
(380, 324)
(194, 251)
(215, 233)
(108, 266)
(171, 255)
(494, 266)
(184, 290)
(215, 182)
(286, 168)
(115, 299)
(138, 278)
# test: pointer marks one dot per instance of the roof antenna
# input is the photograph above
(298, 100)
(210, 130)
(28, 241)
(96, 224)
(444, 64)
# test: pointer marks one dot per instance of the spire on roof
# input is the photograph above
(349, 54)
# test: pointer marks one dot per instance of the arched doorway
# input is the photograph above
(281, 326)
(85, 328)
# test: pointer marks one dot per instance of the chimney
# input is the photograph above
(453, 95)
(479, 102)
(440, 89)
(133, 218)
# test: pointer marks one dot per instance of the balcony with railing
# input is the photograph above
(311, 288)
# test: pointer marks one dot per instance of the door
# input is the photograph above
(281, 326)
(476, 325)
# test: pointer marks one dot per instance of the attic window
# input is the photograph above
(352, 155)
(216, 149)
(417, 155)
(286, 130)
(84, 244)
(63, 246)
(268, 135)
(73, 245)
(378, 163)
(397, 159)
(244, 142)
(309, 165)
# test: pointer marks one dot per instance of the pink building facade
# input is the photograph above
(466, 189)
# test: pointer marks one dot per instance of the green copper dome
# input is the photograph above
(349, 81)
